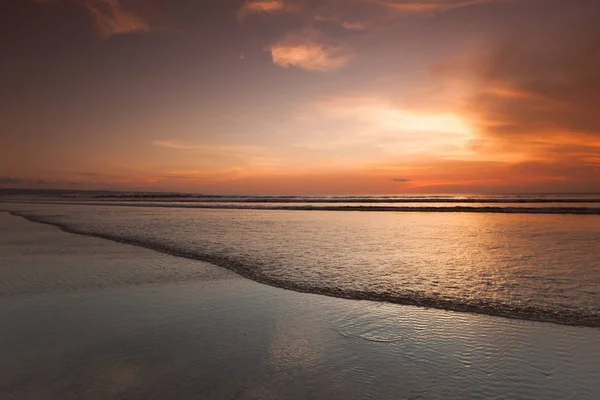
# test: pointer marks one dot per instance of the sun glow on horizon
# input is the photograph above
(370, 121)
(359, 96)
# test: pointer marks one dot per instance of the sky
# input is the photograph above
(301, 96)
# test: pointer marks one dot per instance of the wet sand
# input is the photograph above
(82, 317)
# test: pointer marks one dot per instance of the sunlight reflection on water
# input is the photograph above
(533, 264)
(222, 336)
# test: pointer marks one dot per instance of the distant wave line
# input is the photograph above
(357, 208)
(358, 200)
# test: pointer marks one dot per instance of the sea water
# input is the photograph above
(528, 265)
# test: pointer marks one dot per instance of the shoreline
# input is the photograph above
(228, 337)
(526, 313)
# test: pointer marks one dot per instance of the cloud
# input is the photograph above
(427, 6)
(112, 17)
(176, 145)
(401, 180)
(99, 178)
(357, 14)
(311, 52)
(356, 130)
(7, 180)
(261, 7)
(211, 155)
(94, 175)
(354, 25)
(305, 50)
(199, 148)
(538, 91)
(206, 176)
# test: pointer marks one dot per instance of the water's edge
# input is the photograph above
(572, 318)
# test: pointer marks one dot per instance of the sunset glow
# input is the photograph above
(294, 96)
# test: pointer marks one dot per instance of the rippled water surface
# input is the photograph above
(543, 267)
(85, 318)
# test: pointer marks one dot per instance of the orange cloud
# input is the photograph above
(305, 50)
(354, 25)
(359, 129)
(220, 149)
(428, 6)
(226, 156)
(310, 53)
(357, 14)
(261, 6)
(111, 17)
(543, 99)
(530, 96)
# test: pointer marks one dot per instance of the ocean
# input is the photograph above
(532, 257)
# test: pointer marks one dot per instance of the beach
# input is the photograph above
(150, 325)
(300, 199)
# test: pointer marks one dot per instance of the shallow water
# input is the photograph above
(225, 337)
(107, 266)
(541, 267)
(238, 340)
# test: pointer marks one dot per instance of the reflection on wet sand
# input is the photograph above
(230, 337)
